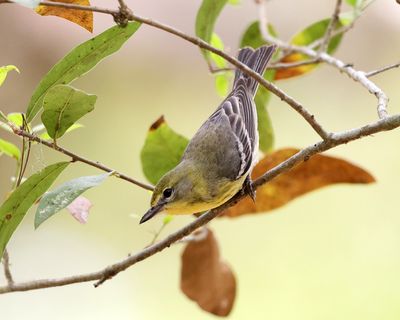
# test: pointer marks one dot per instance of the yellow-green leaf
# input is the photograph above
(4, 71)
(312, 33)
(9, 149)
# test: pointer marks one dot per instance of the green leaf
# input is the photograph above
(252, 38)
(4, 122)
(4, 70)
(18, 203)
(222, 83)
(162, 150)
(265, 129)
(16, 118)
(79, 61)
(9, 149)
(359, 4)
(309, 35)
(234, 2)
(58, 199)
(206, 18)
(63, 105)
(45, 135)
(217, 43)
(317, 31)
(222, 79)
(353, 3)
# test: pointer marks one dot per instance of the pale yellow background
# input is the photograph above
(332, 254)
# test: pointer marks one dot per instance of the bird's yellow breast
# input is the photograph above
(226, 191)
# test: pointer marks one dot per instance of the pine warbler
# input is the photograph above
(219, 158)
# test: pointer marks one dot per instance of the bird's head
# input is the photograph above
(175, 191)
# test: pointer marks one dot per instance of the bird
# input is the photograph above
(218, 160)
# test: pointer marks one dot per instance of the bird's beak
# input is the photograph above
(152, 211)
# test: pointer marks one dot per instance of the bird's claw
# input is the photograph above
(248, 189)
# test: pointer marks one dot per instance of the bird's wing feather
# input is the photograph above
(238, 108)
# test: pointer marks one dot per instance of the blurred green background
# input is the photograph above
(332, 254)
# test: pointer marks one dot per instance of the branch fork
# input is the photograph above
(329, 140)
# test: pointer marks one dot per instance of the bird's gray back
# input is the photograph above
(215, 148)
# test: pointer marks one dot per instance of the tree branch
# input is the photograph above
(331, 26)
(383, 69)
(76, 157)
(204, 45)
(329, 141)
(356, 75)
(101, 276)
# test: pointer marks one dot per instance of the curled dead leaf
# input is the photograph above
(205, 278)
(80, 17)
(317, 172)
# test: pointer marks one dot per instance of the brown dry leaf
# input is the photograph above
(317, 172)
(205, 278)
(80, 17)
(295, 71)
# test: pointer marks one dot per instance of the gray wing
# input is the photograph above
(238, 108)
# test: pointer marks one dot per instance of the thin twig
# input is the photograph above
(204, 45)
(329, 141)
(25, 126)
(331, 26)
(356, 75)
(7, 270)
(335, 32)
(288, 65)
(76, 157)
(107, 273)
(157, 233)
(112, 12)
(383, 69)
(272, 66)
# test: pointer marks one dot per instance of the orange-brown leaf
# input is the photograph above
(317, 172)
(295, 71)
(80, 17)
(205, 278)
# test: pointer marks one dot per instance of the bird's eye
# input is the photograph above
(168, 192)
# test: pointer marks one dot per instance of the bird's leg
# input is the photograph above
(249, 189)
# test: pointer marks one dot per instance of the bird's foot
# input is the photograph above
(248, 189)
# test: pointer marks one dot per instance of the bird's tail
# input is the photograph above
(256, 60)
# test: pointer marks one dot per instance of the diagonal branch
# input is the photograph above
(204, 45)
(329, 141)
(79, 158)
(101, 276)
(331, 26)
(383, 69)
(358, 76)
